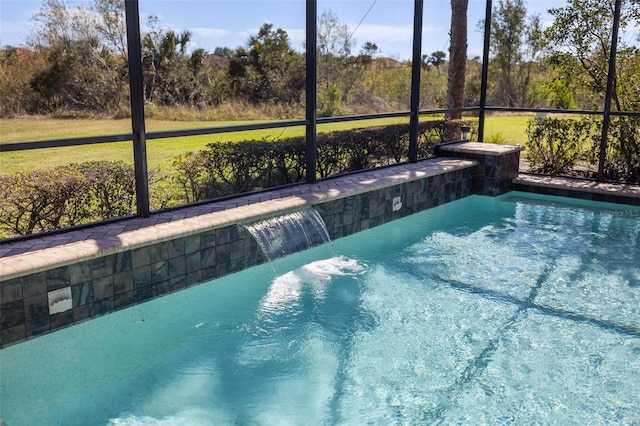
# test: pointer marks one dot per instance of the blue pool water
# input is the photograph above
(516, 310)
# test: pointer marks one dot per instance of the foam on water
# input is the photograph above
(286, 289)
(281, 360)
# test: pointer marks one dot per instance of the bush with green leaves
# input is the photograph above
(556, 145)
(110, 187)
(40, 200)
(622, 157)
(227, 168)
(45, 200)
(329, 101)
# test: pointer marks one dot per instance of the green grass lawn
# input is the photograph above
(508, 129)
(160, 152)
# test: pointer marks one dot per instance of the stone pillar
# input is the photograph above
(497, 164)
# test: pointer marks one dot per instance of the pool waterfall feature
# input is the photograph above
(290, 233)
(118, 268)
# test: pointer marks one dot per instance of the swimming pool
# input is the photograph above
(520, 309)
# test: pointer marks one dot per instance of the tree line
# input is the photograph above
(75, 64)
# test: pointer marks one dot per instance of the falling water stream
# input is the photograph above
(291, 233)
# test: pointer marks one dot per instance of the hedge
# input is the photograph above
(80, 193)
(226, 168)
(44, 200)
(556, 146)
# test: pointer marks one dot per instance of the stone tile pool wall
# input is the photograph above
(46, 288)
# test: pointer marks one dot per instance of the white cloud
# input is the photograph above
(392, 33)
(297, 37)
(210, 33)
(384, 33)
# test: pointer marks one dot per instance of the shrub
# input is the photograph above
(497, 138)
(226, 168)
(41, 200)
(289, 161)
(329, 101)
(622, 160)
(239, 167)
(554, 145)
(45, 200)
(191, 175)
(110, 186)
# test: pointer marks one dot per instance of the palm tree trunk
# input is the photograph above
(457, 65)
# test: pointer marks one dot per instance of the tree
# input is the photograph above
(530, 92)
(17, 68)
(354, 68)
(515, 43)
(223, 51)
(166, 65)
(339, 71)
(508, 27)
(112, 25)
(473, 83)
(580, 43)
(81, 72)
(582, 31)
(433, 89)
(436, 59)
(280, 68)
(268, 70)
(457, 62)
(209, 80)
(334, 47)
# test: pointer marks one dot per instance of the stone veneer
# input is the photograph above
(497, 164)
(49, 286)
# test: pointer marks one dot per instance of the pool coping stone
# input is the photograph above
(578, 188)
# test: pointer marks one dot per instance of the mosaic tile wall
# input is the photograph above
(47, 301)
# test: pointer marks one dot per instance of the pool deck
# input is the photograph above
(578, 188)
(53, 250)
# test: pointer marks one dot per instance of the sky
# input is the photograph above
(229, 23)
